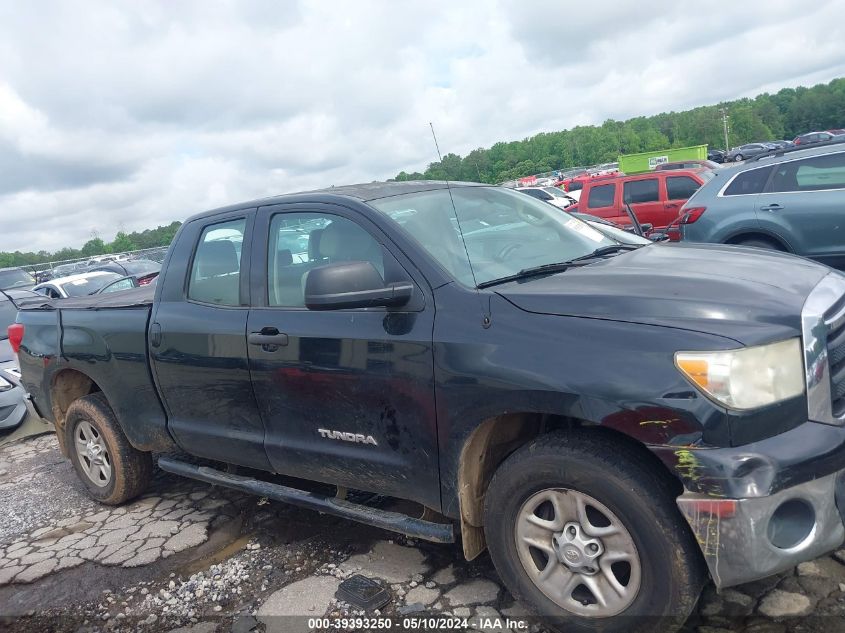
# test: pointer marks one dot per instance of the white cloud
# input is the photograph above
(118, 114)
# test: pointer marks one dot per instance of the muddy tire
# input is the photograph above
(112, 470)
(584, 533)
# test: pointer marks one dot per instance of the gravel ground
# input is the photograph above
(191, 558)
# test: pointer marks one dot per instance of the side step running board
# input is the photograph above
(393, 521)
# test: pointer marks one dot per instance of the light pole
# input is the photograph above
(725, 118)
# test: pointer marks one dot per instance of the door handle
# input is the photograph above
(771, 207)
(268, 336)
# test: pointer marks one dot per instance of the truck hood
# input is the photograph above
(749, 295)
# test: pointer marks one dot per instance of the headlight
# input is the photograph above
(747, 378)
(5, 385)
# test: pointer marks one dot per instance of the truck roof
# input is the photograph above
(363, 192)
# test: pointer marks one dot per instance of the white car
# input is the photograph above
(76, 285)
(552, 195)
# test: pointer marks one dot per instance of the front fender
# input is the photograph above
(593, 371)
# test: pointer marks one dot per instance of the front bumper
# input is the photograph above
(746, 539)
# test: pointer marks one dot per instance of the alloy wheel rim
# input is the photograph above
(578, 553)
(93, 454)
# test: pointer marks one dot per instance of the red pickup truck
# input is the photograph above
(655, 197)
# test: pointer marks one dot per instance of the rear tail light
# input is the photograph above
(692, 214)
(15, 336)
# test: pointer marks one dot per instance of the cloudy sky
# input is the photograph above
(125, 115)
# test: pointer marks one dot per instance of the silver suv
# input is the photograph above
(791, 200)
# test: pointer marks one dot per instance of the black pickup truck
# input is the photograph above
(614, 422)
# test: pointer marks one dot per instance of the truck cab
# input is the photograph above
(615, 422)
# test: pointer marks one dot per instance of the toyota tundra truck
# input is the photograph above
(616, 423)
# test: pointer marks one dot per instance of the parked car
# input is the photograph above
(747, 151)
(687, 164)
(781, 144)
(576, 183)
(128, 282)
(791, 202)
(143, 269)
(812, 137)
(614, 422)
(716, 155)
(12, 395)
(15, 278)
(62, 270)
(552, 195)
(836, 131)
(128, 266)
(76, 285)
(655, 197)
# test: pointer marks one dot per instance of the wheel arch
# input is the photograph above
(496, 438)
(68, 385)
(759, 234)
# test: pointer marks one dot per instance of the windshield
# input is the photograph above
(504, 231)
(15, 278)
(89, 285)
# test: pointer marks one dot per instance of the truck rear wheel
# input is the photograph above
(112, 469)
(588, 536)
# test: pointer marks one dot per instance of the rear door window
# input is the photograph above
(216, 270)
(602, 196)
(748, 182)
(638, 191)
(680, 187)
(818, 173)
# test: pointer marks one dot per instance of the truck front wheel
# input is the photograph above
(111, 468)
(588, 536)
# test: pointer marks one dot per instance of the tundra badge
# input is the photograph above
(348, 437)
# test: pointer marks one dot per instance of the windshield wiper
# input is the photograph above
(557, 267)
(606, 250)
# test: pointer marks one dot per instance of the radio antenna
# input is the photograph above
(486, 320)
(436, 145)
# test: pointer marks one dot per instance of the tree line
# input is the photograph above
(784, 115)
(149, 238)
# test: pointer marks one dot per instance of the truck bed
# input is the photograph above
(134, 298)
(103, 337)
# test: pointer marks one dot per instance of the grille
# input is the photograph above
(835, 321)
(823, 337)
